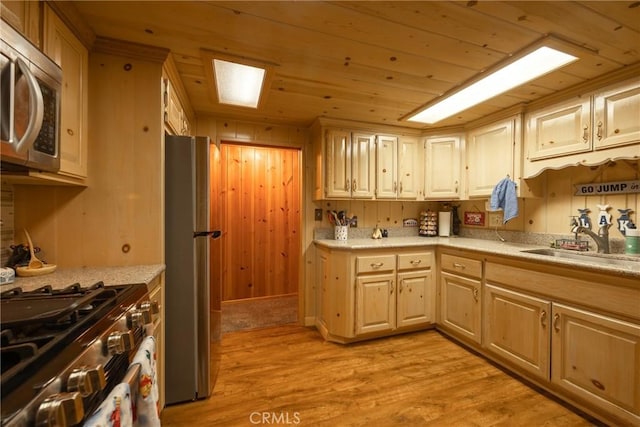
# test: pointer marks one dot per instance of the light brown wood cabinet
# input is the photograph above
(517, 329)
(578, 335)
(461, 296)
(595, 358)
(442, 167)
(493, 152)
(587, 129)
(61, 45)
(175, 117)
(370, 293)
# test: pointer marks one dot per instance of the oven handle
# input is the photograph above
(36, 110)
(132, 377)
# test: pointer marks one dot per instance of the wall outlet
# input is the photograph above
(495, 218)
(317, 215)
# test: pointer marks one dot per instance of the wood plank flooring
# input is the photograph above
(288, 375)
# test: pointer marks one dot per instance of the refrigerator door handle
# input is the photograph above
(214, 234)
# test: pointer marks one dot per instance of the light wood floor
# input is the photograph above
(421, 379)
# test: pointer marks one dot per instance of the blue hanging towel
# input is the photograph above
(504, 197)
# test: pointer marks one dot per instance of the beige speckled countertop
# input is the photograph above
(628, 266)
(88, 276)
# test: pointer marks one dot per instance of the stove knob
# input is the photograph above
(60, 410)
(152, 306)
(87, 380)
(118, 342)
(139, 317)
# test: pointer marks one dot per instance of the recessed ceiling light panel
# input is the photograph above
(238, 84)
(517, 72)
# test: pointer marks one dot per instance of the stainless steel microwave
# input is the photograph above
(30, 91)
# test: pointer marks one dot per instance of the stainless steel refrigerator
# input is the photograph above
(192, 330)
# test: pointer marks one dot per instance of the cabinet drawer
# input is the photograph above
(415, 261)
(461, 265)
(372, 264)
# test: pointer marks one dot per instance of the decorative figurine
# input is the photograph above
(624, 222)
(604, 217)
(584, 220)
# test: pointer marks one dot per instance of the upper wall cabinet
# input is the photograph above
(397, 171)
(493, 152)
(61, 45)
(175, 117)
(587, 130)
(349, 161)
(24, 16)
(442, 167)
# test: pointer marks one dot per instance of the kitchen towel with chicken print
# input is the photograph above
(147, 399)
(504, 197)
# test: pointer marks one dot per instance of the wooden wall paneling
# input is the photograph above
(276, 225)
(259, 168)
(245, 225)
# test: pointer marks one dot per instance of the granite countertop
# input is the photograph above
(87, 276)
(625, 265)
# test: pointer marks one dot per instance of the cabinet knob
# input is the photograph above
(70, 132)
(599, 132)
(475, 294)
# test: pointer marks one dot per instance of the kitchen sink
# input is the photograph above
(602, 259)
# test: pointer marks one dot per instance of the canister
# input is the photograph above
(632, 241)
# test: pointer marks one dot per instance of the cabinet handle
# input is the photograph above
(599, 132)
(354, 186)
(617, 131)
(556, 318)
(377, 264)
(551, 142)
(598, 384)
(400, 286)
(400, 187)
(391, 287)
(460, 266)
(415, 261)
(70, 132)
(395, 187)
(347, 185)
(585, 135)
(543, 318)
(475, 294)
(456, 189)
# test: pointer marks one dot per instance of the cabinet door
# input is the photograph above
(409, 161)
(363, 164)
(416, 298)
(442, 167)
(596, 358)
(559, 130)
(616, 116)
(338, 163)
(517, 329)
(71, 55)
(323, 303)
(375, 303)
(460, 307)
(386, 171)
(490, 156)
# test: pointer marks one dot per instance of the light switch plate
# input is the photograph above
(317, 215)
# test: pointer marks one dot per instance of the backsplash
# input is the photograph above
(6, 221)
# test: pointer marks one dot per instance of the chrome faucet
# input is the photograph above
(601, 238)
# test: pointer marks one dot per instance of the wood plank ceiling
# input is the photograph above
(370, 61)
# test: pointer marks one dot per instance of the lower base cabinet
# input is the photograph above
(365, 294)
(587, 357)
(517, 329)
(597, 358)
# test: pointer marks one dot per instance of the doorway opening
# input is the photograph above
(259, 208)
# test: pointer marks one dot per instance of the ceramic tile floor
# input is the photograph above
(256, 313)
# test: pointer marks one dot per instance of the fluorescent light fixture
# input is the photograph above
(238, 84)
(529, 67)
